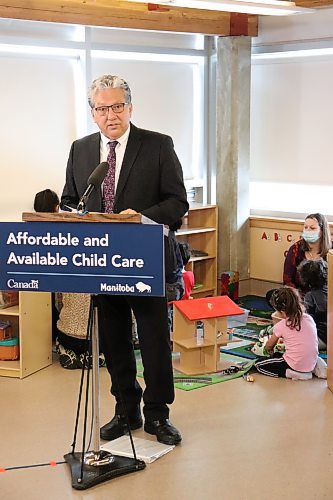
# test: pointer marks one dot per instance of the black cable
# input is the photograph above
(87, 376)
(89, 350)
(16, 467)
(82, 380)
(85, 410)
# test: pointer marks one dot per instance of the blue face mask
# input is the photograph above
(310, 236)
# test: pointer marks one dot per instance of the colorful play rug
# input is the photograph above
(251, 330)
(241, 350)
(233, 367)
(247, 335)
(258, 319)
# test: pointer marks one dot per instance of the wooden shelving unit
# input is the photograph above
(199, 229)
(31, 323)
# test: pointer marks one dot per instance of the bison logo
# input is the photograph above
(142, 287)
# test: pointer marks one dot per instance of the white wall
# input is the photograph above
(291, 110)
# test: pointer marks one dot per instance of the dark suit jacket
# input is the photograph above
(150, 181)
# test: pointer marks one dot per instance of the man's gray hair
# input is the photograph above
(105, 82)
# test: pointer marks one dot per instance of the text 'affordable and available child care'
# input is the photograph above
(83, 259)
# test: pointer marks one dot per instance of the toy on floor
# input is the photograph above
(259, 347)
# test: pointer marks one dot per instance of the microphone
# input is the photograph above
(95, 180)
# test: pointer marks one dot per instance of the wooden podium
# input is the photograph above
(75, 217)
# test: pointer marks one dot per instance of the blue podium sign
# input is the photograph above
(107, 258)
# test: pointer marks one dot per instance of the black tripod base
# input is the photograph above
(93, 475)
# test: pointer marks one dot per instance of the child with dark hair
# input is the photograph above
(313, 275)
(174, 282)
(299, 333)
(178, 281)
(174, 276)
(46, 201)
(70, 311)
(188, 276)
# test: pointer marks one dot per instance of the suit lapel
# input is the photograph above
(92, 160)
(131, 152)
(93, 156)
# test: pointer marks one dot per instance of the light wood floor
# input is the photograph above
(266, 440)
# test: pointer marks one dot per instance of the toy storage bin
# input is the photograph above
(238, 320)
(230, 284)
(8, 299)
(5, 330)
(9, 349)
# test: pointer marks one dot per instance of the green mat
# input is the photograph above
(190, 382)
(243, 352)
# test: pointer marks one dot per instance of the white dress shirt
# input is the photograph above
(120, 151)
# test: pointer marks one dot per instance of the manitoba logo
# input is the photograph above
(142, 287)
(118, 287)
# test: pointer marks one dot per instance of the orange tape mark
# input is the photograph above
(159, 8)
(2, 470)
(53, 463)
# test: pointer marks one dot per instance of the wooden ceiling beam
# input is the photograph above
(122, 14)
(313, 4)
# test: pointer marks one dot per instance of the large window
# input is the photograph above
(37, 125)
(167, 99)
(291, 110)
(45, 71)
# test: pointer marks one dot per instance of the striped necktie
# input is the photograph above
(109, 181)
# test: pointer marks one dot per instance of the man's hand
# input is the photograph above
(128, 211)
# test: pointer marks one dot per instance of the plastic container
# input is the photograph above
(5, 330)
(9, 349)
(230, 284)
(238, 319)
(199, 332)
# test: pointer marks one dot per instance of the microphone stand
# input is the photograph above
(94, 466)
(81, 207)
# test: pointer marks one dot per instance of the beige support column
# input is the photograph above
(330, 322)
(233, 72)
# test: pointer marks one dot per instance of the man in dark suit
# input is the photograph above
(148, 179)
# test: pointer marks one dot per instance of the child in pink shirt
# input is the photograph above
(299, 333)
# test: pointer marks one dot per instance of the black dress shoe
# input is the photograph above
(118, 427)
(164, 431)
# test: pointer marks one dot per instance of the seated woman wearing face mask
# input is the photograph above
(314, 244)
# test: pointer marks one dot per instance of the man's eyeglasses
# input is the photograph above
(116, 108)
